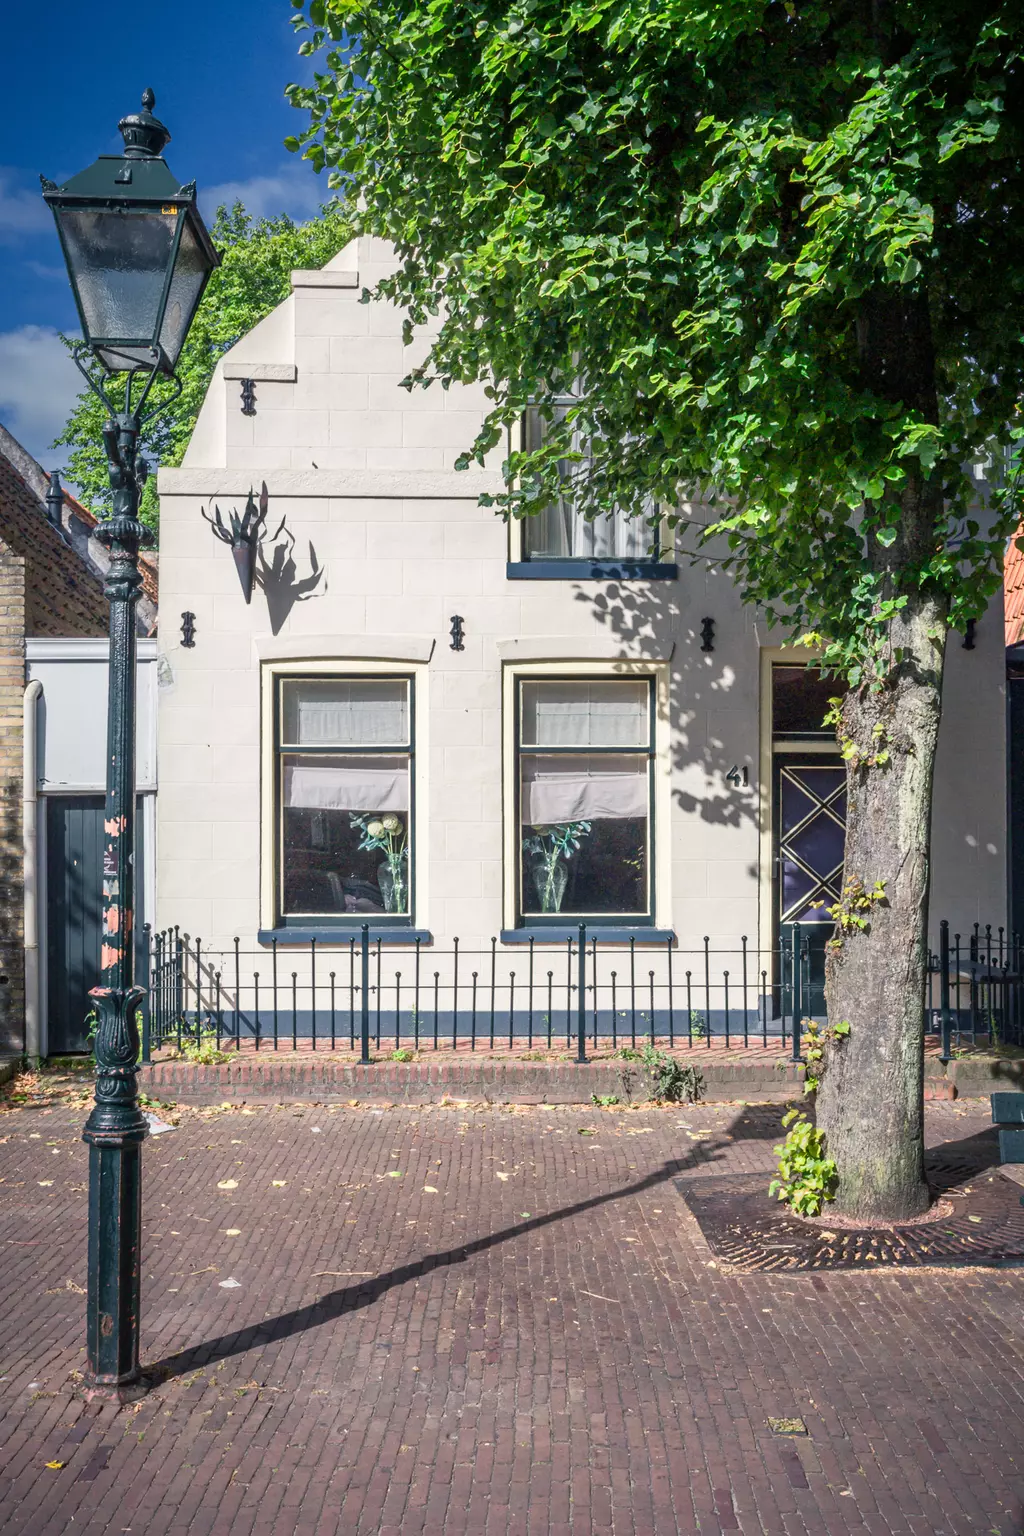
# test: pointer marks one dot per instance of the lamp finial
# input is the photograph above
(144, 135)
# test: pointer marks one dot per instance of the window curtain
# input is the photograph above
(592, 714)
(347, 784)
(345, 714)
(593, 788)
(560, 533)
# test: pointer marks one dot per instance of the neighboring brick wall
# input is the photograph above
(12, 685)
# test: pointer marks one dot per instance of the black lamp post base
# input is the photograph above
(123, 1395)
(114, 1133)
(112, 1301)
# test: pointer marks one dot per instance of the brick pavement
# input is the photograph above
(523, 1333)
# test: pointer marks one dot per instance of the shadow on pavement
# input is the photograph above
(352, 1298)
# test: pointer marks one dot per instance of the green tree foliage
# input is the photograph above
(678, 211)
(258, 256)
(772, 249)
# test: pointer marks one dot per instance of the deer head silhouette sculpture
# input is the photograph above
(244, 534)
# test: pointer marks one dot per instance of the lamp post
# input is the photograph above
(139, 257)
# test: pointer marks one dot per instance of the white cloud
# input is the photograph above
(22, 213)
(38, 386)
(298, 193)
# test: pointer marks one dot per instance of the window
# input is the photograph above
(560, 533)
(800, 701)
(344, 788)
(584, 773)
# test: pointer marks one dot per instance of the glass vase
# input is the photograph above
(392, 887)
(550, 877)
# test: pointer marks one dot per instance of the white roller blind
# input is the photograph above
(339, 712)
(591, 714)
(560, 789)
(347, 784)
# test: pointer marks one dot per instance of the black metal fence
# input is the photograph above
(364, 992)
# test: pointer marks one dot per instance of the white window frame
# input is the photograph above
(660, 853)
(341, 667)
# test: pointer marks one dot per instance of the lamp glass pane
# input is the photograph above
(190, 270)
(118, 262)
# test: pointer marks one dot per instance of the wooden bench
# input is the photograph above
(1008, 1115)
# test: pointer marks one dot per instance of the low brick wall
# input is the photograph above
(301, 1076)
(281, 1076)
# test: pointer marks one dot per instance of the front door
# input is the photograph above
(810, 826)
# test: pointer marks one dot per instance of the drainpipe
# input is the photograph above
(33, 1023)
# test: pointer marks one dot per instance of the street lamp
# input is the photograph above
(138, 256)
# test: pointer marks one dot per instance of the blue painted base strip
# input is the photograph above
(343, 937)
(590, 570)
(558, 935)
(522, 1024)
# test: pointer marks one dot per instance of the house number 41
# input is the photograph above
(737, 776)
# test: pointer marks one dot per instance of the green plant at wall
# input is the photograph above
(551, 847)
(807, 1175)
(202, 1049)
(253, 278)
(385, 832)
(672, 1080)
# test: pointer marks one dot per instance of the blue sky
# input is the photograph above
(71, 70)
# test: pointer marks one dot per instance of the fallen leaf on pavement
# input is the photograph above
(228, 1184)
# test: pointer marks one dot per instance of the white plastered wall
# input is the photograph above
(363, 474)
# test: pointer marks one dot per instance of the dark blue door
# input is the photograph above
(810, 827)
(74, 909)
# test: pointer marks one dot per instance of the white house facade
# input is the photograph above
(433, 726)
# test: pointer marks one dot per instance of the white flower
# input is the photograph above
(392, 824)
(376, 829)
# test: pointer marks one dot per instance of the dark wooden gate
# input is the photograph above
(74, 900)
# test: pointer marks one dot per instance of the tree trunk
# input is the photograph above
(870, 1100)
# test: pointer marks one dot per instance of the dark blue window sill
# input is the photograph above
(590, 570)
(344, 936)
(558, 935)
